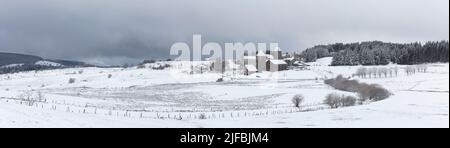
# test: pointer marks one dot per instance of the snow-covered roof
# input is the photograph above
(270, 56)
(251, 68)
(278, 62)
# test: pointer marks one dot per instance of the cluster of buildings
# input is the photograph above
(260, 61)
(263, 61)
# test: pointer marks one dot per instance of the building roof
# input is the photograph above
(278, 62)
(251, 68)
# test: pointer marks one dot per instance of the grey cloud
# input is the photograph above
(120, 31)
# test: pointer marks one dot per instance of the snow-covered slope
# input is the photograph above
(174, 97)
(322, 62)
(14, 58)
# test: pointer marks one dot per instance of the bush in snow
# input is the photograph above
(202, 116)
(370, 92)
(384, 71)
(27, 97)
(332, 100)
(160, 66)
(410, 70)
(141, 66)
(348, 101)
(335, 100)
(71, 80)
(147, 62)
(422, 68)
(109, 76)
(396, 71)
(361, 72)
(297, 100)
(30, 99)
(341, 83)
(40, 97)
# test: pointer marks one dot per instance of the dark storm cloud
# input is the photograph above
(118, 31)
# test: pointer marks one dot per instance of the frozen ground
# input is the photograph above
(173, 98)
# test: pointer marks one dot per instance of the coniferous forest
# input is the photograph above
(380, 53)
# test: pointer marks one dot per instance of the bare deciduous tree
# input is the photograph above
(297, 100)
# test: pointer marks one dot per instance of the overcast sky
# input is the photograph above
(120, 31)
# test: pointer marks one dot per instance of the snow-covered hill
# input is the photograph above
(9, 60)
(175, 97)
(14, 58)
(13, 63)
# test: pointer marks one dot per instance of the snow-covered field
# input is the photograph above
(143, 97)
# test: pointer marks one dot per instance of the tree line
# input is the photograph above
(26, 67)
(380, 53)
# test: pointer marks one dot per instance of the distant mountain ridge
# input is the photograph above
(14, 62)
(15, 58)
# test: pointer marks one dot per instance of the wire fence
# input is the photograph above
(173, 114)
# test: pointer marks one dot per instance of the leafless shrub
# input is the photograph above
(361, 72)
(27, 97)
(297, 100)
(410, 70)
(396, 71)
(384, 71)
(335, 100)
(422, 68)
(202, 116)
(391, 72)
(332, 100)
(71, 80)
(160, 66)
(341, 83)
(141, 66)
(348, 101)
(371, 92)
(109, 76)
(40, 97)
(373, 72)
